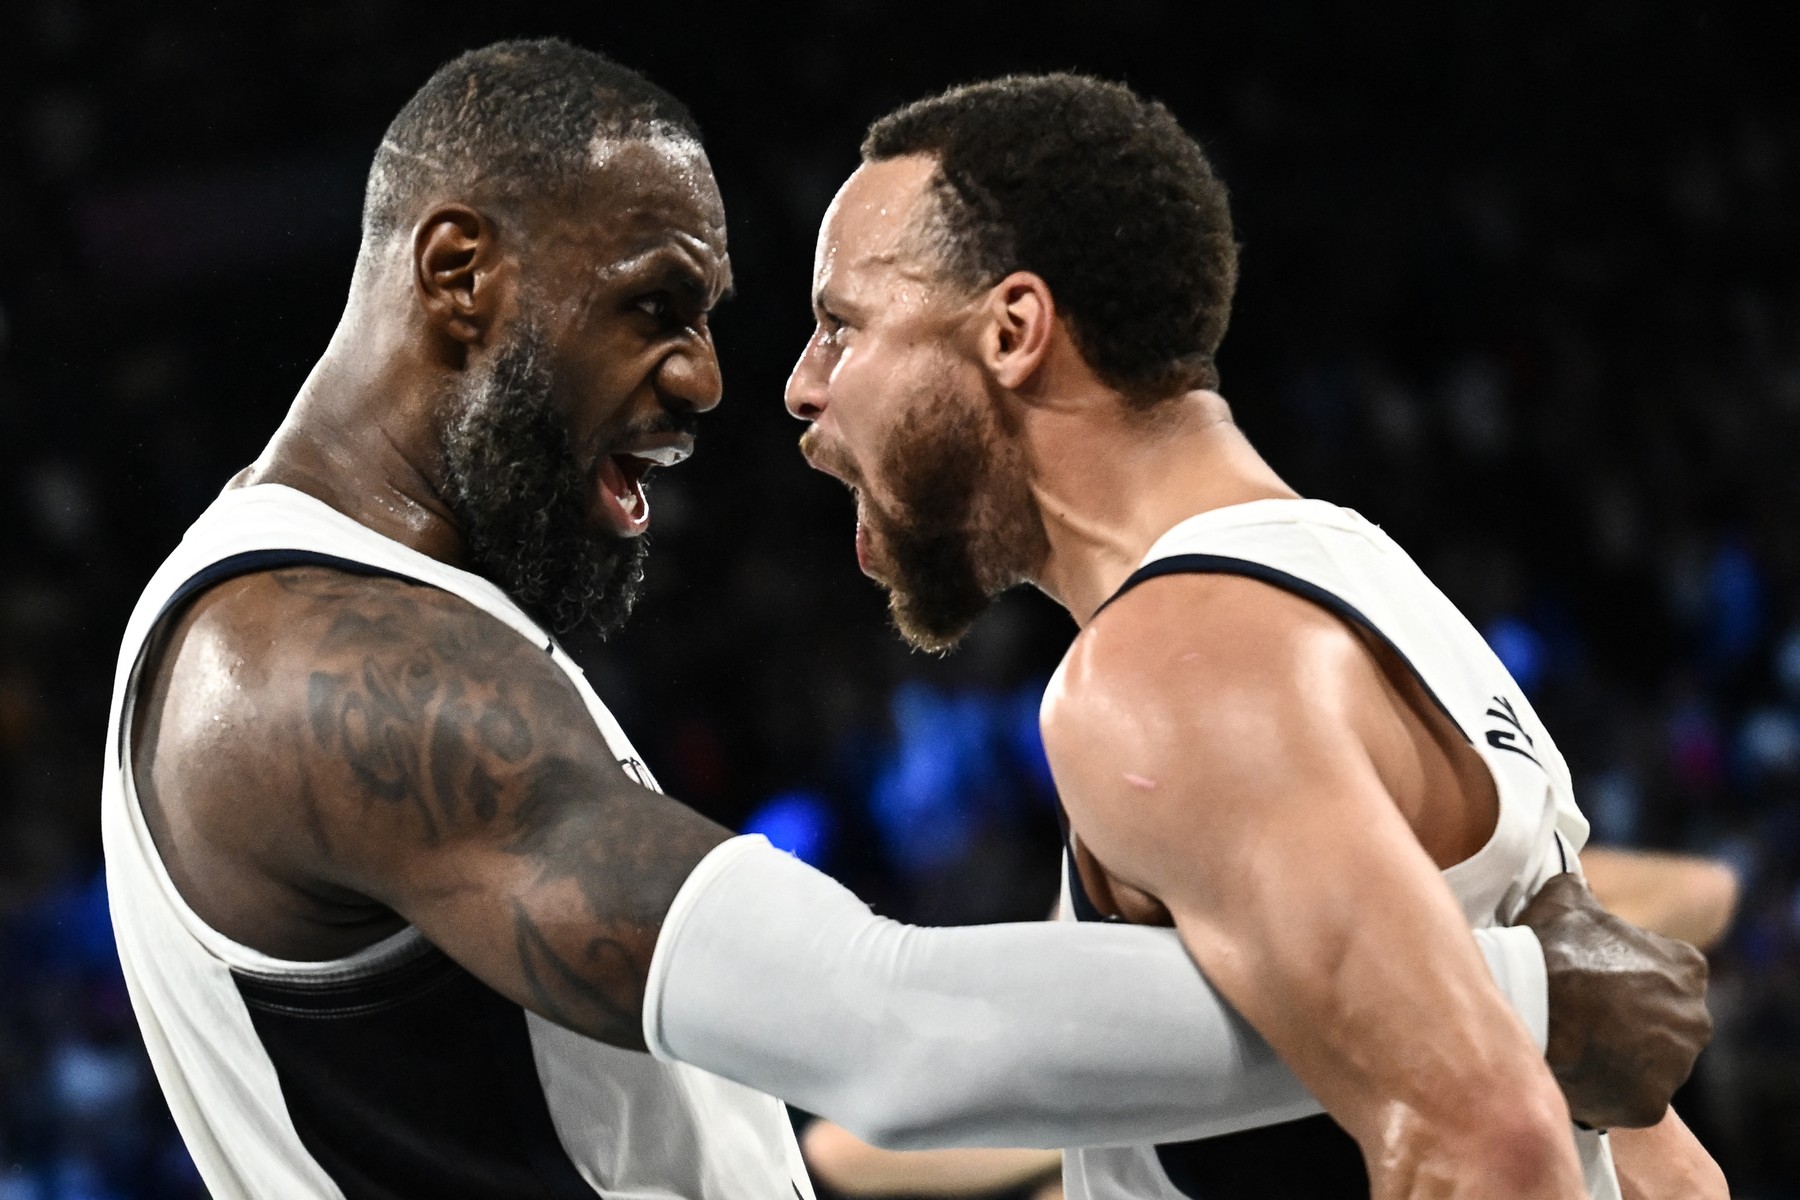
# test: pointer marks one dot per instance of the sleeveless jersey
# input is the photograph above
(1337, 560)
(392, 1074)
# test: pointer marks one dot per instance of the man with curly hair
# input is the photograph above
(1272, 732)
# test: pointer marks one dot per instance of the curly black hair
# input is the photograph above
(511, 122)
(1100, 192)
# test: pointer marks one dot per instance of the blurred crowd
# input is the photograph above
(1522, 290)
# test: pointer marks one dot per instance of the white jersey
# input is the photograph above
(392, 1073)
(1336, 559)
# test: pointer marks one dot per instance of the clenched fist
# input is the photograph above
(1627, 1008)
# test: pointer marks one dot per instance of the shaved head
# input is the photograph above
(509, 124)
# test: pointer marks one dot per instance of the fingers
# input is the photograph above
(1558, 895)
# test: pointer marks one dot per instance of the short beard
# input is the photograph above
(965, 528)
(525, 503)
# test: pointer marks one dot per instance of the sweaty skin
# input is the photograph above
(1233, 760)
(324, 757)
(1281, 847)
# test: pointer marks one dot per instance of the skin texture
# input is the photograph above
(1232, 759)
(324, 757)
(1677, 895)
(1594, 961)
(1660, 972)
(944, 511)
(1666, 1162)
(850, 1166)
(1274, 826)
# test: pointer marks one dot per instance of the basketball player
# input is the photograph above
(398, 905)
(1272, 731)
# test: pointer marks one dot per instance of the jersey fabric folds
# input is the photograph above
(392, 1074)
(1339, 561)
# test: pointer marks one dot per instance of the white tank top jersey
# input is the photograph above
(392, 1073)
(1336, 559)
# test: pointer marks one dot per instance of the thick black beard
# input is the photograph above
(525, 503)
(964, 530)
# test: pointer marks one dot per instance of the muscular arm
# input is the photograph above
(337, 745)
(415, 751)
(1210, 749)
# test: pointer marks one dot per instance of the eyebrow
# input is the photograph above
(677, 271)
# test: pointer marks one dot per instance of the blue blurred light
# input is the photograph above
(798, 822)
(921, 793)
(1027, 738)
(1521, 651)
(1736, 604)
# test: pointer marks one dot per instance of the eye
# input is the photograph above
(659, 305)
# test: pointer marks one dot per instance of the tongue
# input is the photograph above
(622, 501)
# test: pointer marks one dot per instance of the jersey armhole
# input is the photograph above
(1331, 602)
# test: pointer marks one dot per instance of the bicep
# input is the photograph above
(1253, 814)
(460, 781)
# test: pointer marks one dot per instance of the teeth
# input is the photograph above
(662, 456)
(631, 502)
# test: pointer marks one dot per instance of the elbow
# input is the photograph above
(904, 1117)
(1526, 1160)
(1524, 1148)
(876, 1108)
(1517, 1141)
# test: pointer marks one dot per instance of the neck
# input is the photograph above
(360, 435)
(1109, 482)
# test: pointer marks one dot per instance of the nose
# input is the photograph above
(691, 374)
(805, 394)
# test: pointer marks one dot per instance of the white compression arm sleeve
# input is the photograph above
(1046, 1034)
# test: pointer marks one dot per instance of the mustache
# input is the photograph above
(678, 422)
(826, 457)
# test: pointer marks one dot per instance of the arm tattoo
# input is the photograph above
(442, 722)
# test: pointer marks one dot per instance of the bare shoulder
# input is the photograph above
(1201, 648)
(328, 757)
(302, 727)
(1205, 706)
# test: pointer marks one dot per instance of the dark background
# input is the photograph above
(1520, 286)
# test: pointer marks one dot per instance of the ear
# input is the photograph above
(455, 255)
(1019, 332)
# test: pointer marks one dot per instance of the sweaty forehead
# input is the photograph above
(648, 190)
(876, 220)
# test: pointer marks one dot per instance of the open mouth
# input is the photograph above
(620, 482)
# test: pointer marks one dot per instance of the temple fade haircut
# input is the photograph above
(511, 123)
(1102, 194)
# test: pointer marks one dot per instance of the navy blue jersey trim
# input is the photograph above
(1309, 1159)
(1219, 564)
(252, 561)
(418, 1080)
(1079, 900)
(413, 1080)
(249, 562)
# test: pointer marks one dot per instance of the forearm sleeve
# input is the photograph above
(1046, 1034)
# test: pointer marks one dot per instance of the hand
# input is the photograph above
(1627, 1008)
